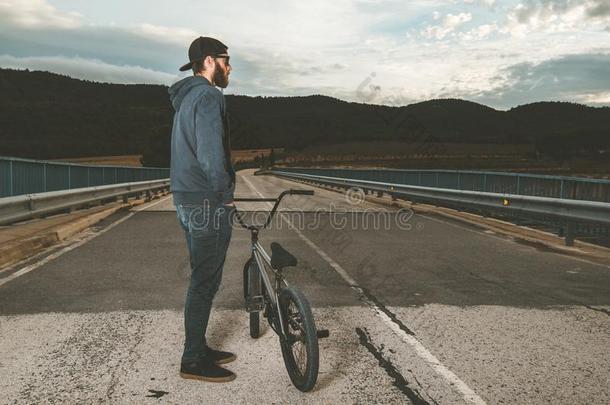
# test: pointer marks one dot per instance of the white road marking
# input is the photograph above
(151, 204)
(467, 393)
(81, 242)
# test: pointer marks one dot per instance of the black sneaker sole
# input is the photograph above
(227, 360)
(208, 379)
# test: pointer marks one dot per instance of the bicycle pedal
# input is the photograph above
(323, 333)
(255, 304)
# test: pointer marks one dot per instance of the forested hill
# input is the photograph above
(44, 115)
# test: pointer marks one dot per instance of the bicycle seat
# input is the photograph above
(280, 257)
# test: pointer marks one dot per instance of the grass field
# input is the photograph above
(237, 155)
(422, 149)
(450, 156)
(124, 160)
(400, 155)
(246, 155)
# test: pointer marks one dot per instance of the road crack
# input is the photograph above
(602, 310)
(372, 301)
(398, 379)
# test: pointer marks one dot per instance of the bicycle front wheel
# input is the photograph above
(252, 288)
(300, 348)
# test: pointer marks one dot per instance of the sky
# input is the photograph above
(392, 52)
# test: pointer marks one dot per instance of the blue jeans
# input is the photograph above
(207, 227)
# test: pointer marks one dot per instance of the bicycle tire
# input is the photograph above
(252, 285)
(297, 317)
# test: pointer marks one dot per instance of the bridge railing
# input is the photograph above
(571, 216)
(575, 188)
(27, 206)
(27, 176)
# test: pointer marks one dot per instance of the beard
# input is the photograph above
(221, 77)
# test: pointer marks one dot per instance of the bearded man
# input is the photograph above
(202, 181)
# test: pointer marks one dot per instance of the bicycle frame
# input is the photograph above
(286, 308)
(262, 258)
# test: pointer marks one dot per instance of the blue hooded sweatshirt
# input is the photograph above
(200, 151)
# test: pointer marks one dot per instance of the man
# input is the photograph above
(203, 183)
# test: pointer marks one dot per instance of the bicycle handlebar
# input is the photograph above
(277, 203)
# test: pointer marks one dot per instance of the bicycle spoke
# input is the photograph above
(297, 337)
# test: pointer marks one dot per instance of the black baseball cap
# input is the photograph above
(202, 47)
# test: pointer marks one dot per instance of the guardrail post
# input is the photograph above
(484, 182)
(10, 171)
(561, 189)
(459, 181)
(44, 176)
(69, 177)
(518, 184)
(569, 233)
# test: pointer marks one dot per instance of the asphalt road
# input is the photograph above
(420, 310)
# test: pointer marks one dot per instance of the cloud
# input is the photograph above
(488, 3)
(600, 9)
(265, 72)
(449, 24)
(312, 41)
(557, 16)
(171, 35)
(597, 99)
(479, 33)
(419, 49)
(581, 78)
(88, 69)
(109, 44)
(35, 14)
(322, 69)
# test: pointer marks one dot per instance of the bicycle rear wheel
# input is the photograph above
(300, 348)
(252, 287)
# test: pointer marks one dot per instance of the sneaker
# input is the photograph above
(219, 356)
(205, 370)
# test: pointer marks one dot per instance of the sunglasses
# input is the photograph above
(223, 57)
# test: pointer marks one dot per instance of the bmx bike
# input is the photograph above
(285, 307)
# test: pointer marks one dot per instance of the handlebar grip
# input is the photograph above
(303, 192)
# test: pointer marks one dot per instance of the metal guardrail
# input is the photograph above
(575, 188)
(569, 212)
(26, 176)
(19, 208)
